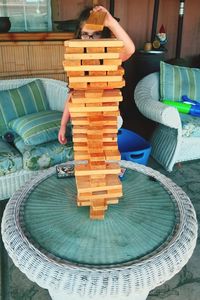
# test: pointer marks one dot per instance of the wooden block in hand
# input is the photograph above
(95, 21)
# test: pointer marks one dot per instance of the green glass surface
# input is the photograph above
(142, 223)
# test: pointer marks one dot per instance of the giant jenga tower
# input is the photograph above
(95, 75)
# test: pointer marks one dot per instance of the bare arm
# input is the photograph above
(65, 118)
(119, 33)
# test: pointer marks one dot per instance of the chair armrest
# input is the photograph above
(146, 97)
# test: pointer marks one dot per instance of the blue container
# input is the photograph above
(133, 147)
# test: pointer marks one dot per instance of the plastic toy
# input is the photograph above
(185, 106)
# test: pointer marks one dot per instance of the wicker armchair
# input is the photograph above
(169, 146)
(56, 92)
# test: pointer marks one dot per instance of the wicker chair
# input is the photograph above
(169, 146)
(56, 92)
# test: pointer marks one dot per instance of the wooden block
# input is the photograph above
(92, 108)
(93, 93)
(97, 144)
(69, 62)
(97, 207)
(80, 121)
(110, 129)
(86, 184)
(98, 176)
(98, 79)
(74, 50)
(119, 71)
(79, 138)
(111, 168)
(112, 155)
(80, 129)
(78, 85)
(116, 84)
(99, 73)
(112, 201)
(89, 67)
(114, 49)
(96, 96)
(97, 121)
(97, 157)
(95, 49)
(96, 215)
(104, 194)
(110, 182)
(109, 137)
(96, 183)
(110, 146)
(91, 62)
(108, 42)
(93, 105)
(95, 130)
(81, 155)
(75, 73)
(97, 165)
(112, 62)
(89, 56)
(80, 147)
(83, 203)
(100, 85)
(95, 21)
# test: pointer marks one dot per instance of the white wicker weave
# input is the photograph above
(168, 144)
(66, 280)
(56, 92)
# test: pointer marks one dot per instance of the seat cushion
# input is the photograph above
(44, 155)
(37, 128)
(176, 81)
(27, 99)
(190, 125)
(10, 158)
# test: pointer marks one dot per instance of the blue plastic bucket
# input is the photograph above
(133, 147)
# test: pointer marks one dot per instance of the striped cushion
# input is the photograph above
(37, 128)
(177, 81)
(27, 99)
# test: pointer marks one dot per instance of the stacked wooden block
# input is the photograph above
(95, 75)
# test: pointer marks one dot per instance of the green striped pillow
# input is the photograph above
(176, 81)
(37, 128)
(27, 99)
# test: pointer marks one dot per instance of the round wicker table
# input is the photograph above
(142, 242)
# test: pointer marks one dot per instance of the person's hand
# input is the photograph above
(108, 19)
(61, 135)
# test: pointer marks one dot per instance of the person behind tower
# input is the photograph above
(111, 27)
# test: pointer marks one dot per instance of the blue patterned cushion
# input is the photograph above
(10, 158)
(38, 128)
(190, 125)
(177, 81)
(27, 99)
(45, 155)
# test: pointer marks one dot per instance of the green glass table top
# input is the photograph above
(142, 222)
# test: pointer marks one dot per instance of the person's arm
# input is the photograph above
(65, 117)
(119, 33)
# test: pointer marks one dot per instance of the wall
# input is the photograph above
(45, 58)
(136, 18)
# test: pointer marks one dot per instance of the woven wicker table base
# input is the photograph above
(144, 240)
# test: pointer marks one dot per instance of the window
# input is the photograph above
(27, 15)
